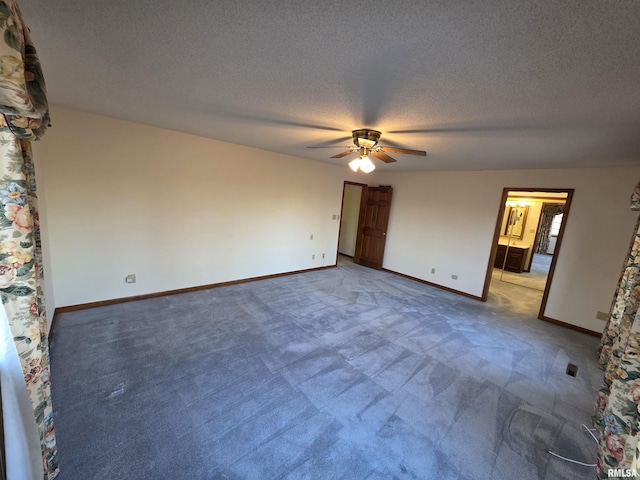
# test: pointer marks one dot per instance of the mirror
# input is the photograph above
(514, 221)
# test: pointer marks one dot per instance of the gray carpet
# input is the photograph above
(536, 278)
(342, 373)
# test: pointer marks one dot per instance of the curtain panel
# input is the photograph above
(617, 411)
(24, 117)
(549, 210)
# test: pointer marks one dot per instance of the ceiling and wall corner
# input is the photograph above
(507, 84)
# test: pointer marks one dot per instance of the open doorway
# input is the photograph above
(351, 198)
(526, 244)
(373, 205)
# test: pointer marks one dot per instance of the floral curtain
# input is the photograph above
(24, 117)
(549, 210)
(617, 412)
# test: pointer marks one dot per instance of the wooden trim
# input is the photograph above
(571, 326)
(494, 245)
(53, 324)
(556, 251)
(441, 287)
(146, 296)
(533, 197)
(543, 190)
(347, 182)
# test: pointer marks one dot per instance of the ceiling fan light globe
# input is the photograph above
(363, 142)
(354, 164)
(366, 165)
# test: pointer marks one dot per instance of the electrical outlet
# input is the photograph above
(454, 277)
(131, 278)
(323, 255)
(313, 257)
(433, 270)
(311, 237)
(334, 217)
(602, 316)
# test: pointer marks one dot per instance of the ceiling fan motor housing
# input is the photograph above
(365, 138)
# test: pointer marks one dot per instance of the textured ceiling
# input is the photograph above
(479, 85)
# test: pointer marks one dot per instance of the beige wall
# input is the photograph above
(180, 211)
(446, 221)
(44, 233)
(176, 210)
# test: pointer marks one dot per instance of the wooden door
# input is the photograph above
(372, 226)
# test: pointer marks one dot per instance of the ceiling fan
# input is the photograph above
(365, 142)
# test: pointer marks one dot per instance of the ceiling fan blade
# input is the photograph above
(344, 154)
(405, 150)
(383, 156)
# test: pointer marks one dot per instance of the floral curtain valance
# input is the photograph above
(23, 99)
(617, 412)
